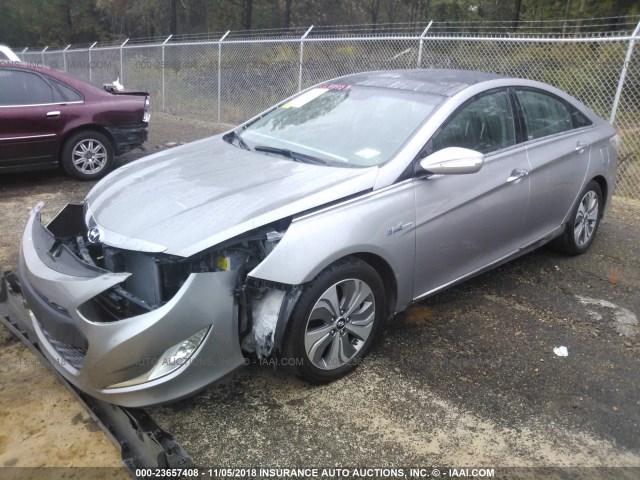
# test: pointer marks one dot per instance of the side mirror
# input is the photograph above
(453, 160)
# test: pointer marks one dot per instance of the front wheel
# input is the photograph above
(583, 222)
(87, 155)
(335, 321)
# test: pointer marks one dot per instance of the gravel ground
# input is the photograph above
(465, 378)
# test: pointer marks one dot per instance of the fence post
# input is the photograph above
(23, 52)
(94, 44)
(122, 63)
(302, 56)
(42, 53)
(623, 74)
(219, 70)
(162, 47)
(64, 57)
(424, 32)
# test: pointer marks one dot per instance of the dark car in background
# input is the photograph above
(48, 118)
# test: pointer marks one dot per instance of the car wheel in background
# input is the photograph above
(87, 155)
(583, 222)
(335, 321)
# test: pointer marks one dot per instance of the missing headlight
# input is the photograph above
(156, 278)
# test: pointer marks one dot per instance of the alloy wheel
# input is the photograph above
(586, 219)
(339, 324)
(89, 156)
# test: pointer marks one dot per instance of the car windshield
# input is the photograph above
(341, 125)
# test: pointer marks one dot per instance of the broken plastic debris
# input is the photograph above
(561, 351)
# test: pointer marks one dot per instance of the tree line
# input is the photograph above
(60, 22)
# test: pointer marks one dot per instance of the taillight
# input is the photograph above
(615, 142)
(147, 115)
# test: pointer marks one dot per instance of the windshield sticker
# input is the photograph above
(368, 153)
(305, 98)
(336, 86)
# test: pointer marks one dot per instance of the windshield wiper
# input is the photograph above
(297, 156)
(233, 135)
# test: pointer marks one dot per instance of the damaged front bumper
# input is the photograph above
(98, 356)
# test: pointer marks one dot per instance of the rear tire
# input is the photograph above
(583, 223)
(335, 321)
(87, 155)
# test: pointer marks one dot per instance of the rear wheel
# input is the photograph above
(335, 321)
(584, 221)
(88, 155)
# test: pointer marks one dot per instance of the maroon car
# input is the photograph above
(48, 118)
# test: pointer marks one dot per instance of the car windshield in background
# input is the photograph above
(343, 125)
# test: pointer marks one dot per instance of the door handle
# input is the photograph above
(580, 146)
(55, 113)
(517, 174)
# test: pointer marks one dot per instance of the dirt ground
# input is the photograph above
(468, 377)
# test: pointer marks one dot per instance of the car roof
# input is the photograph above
(435, 81)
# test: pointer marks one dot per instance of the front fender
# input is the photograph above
(380, 223)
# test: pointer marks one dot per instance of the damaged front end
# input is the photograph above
(140, 327)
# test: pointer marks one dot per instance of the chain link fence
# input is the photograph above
(230, 77)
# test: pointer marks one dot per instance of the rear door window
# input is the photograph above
(64, 93)
(544, 115)
(579, 119)
(23, 88)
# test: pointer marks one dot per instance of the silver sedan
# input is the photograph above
(295, 235)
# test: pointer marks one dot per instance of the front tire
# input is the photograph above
(88, 155)
(583, 222)
(335, 321)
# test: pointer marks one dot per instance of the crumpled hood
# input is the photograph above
(195, 196)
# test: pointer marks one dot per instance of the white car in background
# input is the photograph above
(7, 54)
